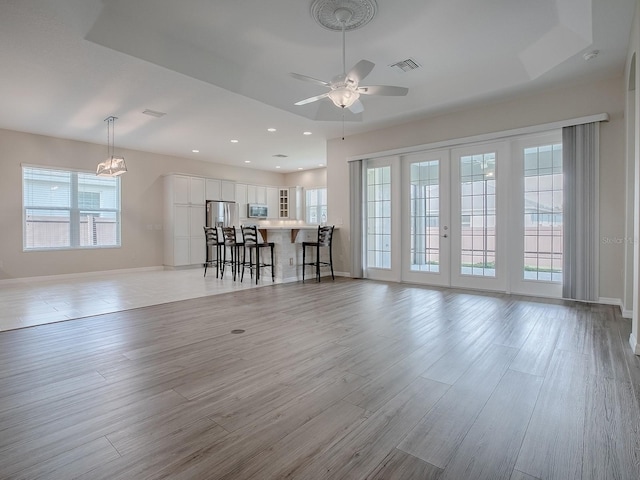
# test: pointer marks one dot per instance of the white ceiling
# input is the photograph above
(219, 68)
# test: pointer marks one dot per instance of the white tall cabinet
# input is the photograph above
(185, 215)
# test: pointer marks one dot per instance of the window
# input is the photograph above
(543, 222)
(379, 217)
(316, 205)
(66, 209)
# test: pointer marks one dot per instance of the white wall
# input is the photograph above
(633, 167)
(605, 96)
(142, 193)
(316, 177)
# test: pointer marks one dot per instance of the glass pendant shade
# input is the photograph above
(343, 97)
(113, 166)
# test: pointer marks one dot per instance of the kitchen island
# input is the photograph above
(288, 248)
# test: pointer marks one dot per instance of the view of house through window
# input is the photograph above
(69, 209)
(316, 205)
(543, 238)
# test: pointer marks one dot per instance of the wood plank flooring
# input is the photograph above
(350, 379)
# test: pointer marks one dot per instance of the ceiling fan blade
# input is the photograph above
(361, 70)
(312, 99)
(383, 90)
(357, 107)
(304, 78)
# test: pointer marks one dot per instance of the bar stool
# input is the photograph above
(211, 234)
(250, 242)
(325, 239)
(231, 243)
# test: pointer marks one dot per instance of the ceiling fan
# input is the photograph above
(344, 89)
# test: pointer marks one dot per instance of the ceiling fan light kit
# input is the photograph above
(342, 15)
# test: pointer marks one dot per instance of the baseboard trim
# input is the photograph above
(626, 313)
(45, 278)
(635, 346)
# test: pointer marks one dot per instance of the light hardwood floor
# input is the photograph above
(36, 301)
(349, 379)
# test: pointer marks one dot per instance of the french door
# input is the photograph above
(451, 236)
(483, 216)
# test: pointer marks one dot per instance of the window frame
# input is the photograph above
(74, 209)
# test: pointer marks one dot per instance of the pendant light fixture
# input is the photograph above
(113, 166)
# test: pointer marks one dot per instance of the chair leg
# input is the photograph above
(257, 264)
(273, 272)
(331, 262)
(304, 252)
(318, 263)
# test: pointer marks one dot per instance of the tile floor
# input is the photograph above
(32, 302)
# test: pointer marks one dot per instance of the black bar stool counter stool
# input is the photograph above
(325, 240)
(231, 243)
(251, 243)
(211, 235)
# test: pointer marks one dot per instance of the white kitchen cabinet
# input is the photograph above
(241, 200)
(296, 203)
(283, 202)
(257, 194)
(290, 203)
(213, 189)
(196, 190)
(228, 191)
(272, 201)
(184, 217)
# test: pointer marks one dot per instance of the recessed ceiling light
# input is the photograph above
(299, 168)
(271, 129)
(306, 133)
(277, 166)
(195, 151)
(321, 164)
(247, 161)
(234, 141)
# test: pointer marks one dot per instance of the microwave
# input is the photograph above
(255, 210)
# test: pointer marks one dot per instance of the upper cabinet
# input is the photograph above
(213, 189)
(220, 190)
(272, 201)
(228, 191)
(241, 199)
(188, 190)
(257, 194)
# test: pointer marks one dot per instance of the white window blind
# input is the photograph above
(65, 209)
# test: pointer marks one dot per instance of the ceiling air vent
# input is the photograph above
(406, 65)
(153, 113)
(280, 155)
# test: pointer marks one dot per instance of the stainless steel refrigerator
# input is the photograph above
(220, 214)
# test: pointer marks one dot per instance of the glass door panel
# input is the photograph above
(477, 259)
(426, 198)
